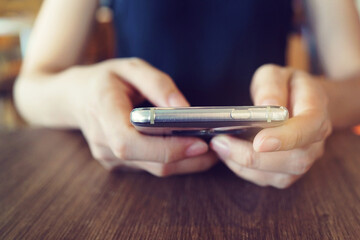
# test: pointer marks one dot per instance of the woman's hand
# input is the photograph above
(102, 110)
(280, 155)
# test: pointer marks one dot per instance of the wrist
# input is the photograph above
(77, 96)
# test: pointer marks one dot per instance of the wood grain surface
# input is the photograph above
(51, 188)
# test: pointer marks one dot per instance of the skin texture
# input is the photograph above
(279, 156)
(54, 91)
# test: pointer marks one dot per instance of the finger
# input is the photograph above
(196, 164)
(108, 160)
(310, 121)
(136, 146)
(185, 166)
(297, 161)
(104, 156)
(96, 141)
(297, 132)
(155, 85)
(127, 143)
(269, 85)
(261, 178)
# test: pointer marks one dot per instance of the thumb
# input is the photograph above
(269, 85)
(153, 84)
(309, 123)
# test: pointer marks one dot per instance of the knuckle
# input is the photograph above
(101, 79)
(108, 162)
(121, 150)
(297, 139)
(165, 76)
(290, 142)
(250, 161)
(97, 154)
(302, 165)
(160, 79)
(283, 181)
(166, 170)
(266, 73)
(96, 151)
(302, 77)
(261, 183)
(108, 165)
(238, 169)
(163, 171)
(105, 74)
(94, 136)
(167, 154)
(135, 62)
(301, 161)
(269, 69)
(162, 154)
(107, 62)
(261, 74)
(325, 130)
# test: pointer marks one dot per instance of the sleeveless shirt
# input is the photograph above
(210, 48)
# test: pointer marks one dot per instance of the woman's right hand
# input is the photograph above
(102, 111)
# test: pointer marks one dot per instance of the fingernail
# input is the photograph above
(268, 145)
(176, 100)
(196, 149)
(221, 146)
(271, 102)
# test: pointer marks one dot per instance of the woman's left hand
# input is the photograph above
(279, 156)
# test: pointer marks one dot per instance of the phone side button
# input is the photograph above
(240, 114)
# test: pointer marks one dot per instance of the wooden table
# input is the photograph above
(50, 188)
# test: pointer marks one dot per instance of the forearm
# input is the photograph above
(336, 27)
(344, 104)
(47, 90)
(48, 99)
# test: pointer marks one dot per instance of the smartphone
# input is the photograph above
(206, 121)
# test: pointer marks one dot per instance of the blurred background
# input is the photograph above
(17, 18)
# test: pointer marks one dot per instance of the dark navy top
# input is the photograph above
(211, 48)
